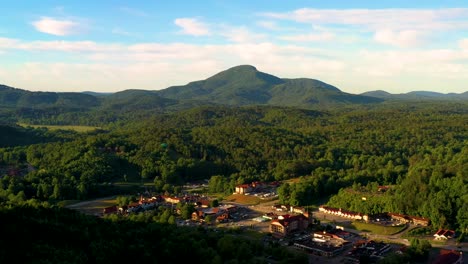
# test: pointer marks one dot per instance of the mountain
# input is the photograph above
(417, 95)
(307, 92)
(130, 100)
(245, 85)
(13, 97)
(240, 85)
(97, 94)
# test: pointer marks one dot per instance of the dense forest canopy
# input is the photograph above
(420, 149)
(56, 235)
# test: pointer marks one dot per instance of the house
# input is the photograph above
(420, 220)
(219, 213)
(449, 257)
(287, 224)
(399, 217)
(172, 200)
(340, 212)
(443, 234)
(203, 202)
(243, 188)
(298, 210)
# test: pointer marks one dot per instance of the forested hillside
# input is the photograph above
(420, 149)
(54, 235)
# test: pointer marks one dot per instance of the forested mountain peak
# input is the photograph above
(245, 85)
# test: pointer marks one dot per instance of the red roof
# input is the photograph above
(447, 257)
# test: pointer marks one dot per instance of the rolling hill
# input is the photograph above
(416, 95)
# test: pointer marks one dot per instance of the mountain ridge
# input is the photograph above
(236, 86)
(417, 95)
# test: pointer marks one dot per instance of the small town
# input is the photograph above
(322, 233)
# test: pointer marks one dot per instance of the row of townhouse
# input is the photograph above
(402, 218)
(416, 220)
(342, 213)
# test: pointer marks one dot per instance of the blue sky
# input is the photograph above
(108, 46)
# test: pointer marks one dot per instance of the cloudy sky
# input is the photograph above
(110, 46)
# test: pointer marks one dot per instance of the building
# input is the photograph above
(400, 218)
(420, 220)
(340, 212)
(449, 257)
(243, 188)
(284, 225)
(443, 234)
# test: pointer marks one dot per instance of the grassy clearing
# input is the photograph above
(243, 199)
(57, 127)
(93, 207)
(377, 229)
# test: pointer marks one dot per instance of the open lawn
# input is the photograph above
(243, 199)
(55, 127)
(377, 229)
(93, 207)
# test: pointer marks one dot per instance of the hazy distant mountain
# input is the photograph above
(417, 95)
(13, 97)
(245, 85)
(97, 94)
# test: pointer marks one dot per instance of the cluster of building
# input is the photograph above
(342, 213)
(416, 220)
(219, 214)
(323, 243)
(401, 218)
(371, 249)
(449, 257)
(149, 203)
(263, 188)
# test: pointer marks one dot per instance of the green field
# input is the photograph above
(377, 229)
(243, 199)
(57, 127)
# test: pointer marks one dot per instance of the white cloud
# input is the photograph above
(59, 46)
(404, 38)
(57, 27)
(378, 18)
(117, 66)
(192, 26)
(400, 27)
(241, 35)
(463, 44)
(323, 36)
(8, 43)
